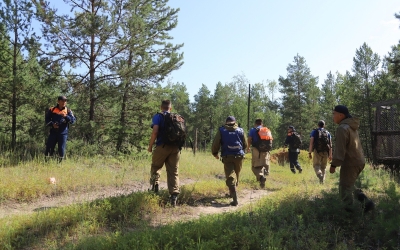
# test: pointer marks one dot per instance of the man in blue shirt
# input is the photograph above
(320, 150)
(164, 154)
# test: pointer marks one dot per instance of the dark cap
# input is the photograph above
(230, 119)
(321, 123)
(342, 109)
(292, 128)
(62, 98)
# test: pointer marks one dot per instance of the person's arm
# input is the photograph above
(310, 148)
(216, 144)
(153, 138)
(70, 117)
(330, 148)
(340, 148)
(245, 142)
(287, 141)
(249, 141)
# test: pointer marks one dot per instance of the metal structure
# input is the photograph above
(386, 134)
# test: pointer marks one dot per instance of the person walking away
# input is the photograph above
(58, 118)
(167, 150)
(320, 150)
(349, 155)
(230, 139)
(260, 138)
(293, 140)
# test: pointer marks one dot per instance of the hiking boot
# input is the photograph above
(154, 188)
(299, 169)
(233, 194)
(321, 179)
(293, 171)
(262, 181)
(235, 201)
(173, 199)
(369, 205)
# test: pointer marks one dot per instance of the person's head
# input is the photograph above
(230, 120)
(258, 122)
(166, 105)
(340, 112)
(62, 101)
(291, 129)
(321, 123)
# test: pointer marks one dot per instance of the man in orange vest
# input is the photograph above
(260, 139)
(58, 119)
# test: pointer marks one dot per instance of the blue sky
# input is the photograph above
(259, 38)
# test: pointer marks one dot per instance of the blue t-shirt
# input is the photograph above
(253, 134)
(158, 119)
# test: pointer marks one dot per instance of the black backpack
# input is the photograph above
(321, 140)
(296, 140)
(174, 130)
(263, 145)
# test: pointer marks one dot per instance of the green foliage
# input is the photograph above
(300, 101)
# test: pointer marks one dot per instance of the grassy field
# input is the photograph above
(297, 213)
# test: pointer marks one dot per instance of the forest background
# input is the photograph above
(112, 58)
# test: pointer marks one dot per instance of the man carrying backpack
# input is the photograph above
(260, 139)
(58, 119)
(294, 141)
(231, 139)
(167, 150)
(321, 148)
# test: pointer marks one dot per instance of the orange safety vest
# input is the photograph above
(56, 110)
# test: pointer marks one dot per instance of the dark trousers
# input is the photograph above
(293, 159)
(52, 140)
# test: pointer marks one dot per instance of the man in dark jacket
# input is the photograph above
(294, 150)
(58, 119)
(349, 155)
(231, 139)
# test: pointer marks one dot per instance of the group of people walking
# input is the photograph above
(231, 143)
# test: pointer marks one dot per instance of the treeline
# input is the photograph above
(109, 58)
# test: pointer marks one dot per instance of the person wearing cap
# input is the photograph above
(293, 151)
(58, 119)
(259, 160)
(320, 150)
(349, 155)
(164, 154)
(230, 139)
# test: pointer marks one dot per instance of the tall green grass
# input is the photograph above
(299, 213)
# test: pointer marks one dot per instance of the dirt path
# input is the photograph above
(185, 213)
(218, 206)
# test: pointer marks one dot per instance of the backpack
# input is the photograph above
(321, 140)
(296, 140)
(264, 143)
(174, 132)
